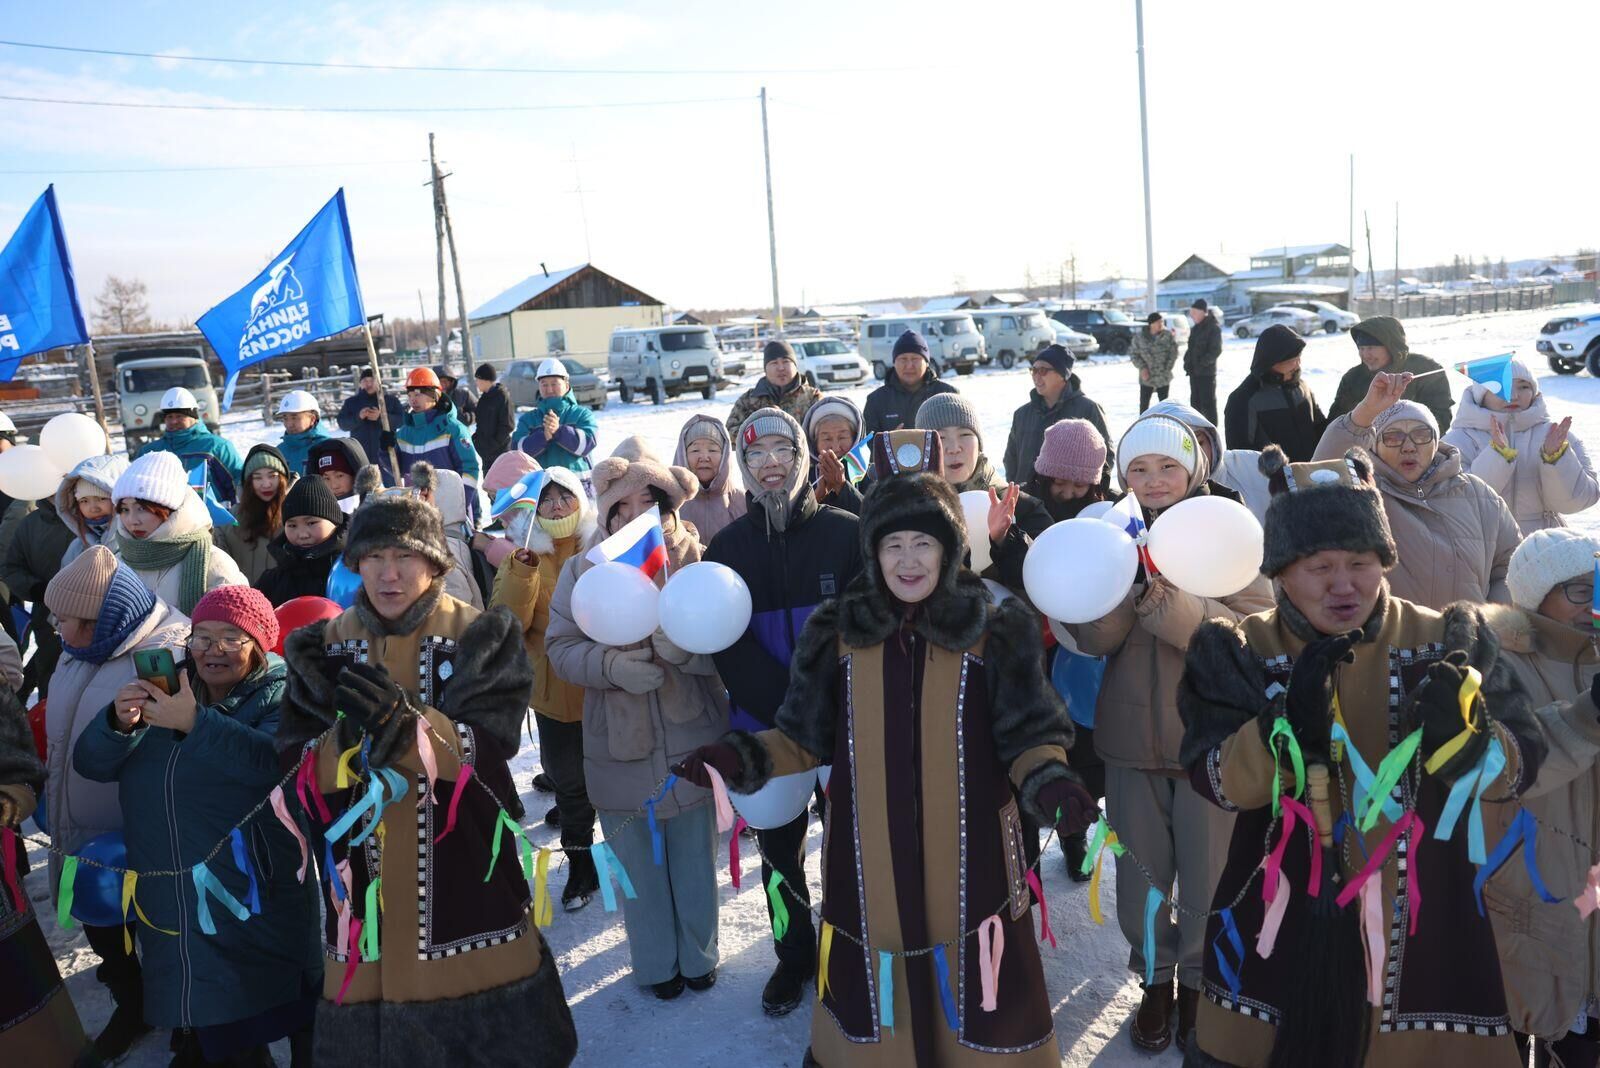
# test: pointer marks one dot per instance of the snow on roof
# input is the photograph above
(1194, 287)
(940, 304)
(884, 307)
(838, 311)
(1280, 251)
(1006, 298)
(1256, 272)
(522, 292)
(1299, 289)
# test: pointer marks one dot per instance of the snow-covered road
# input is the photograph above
(1091, 990)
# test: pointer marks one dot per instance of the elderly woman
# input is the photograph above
(106, 615)
(432, 953)
(1537, 465)
(258, 514)
(164, 533)
(645, 706)
(833, 426)
(189, 768)
(929, 703)
(705, 448)
(83, 501)
(1452, 532)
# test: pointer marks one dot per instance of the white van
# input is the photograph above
(1013, 335)
(952, 337)
(661, 362)
(828, 361)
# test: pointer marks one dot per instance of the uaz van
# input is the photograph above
(661, 362)
(1013, 335)
(953, 341)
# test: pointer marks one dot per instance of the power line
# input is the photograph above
(403, 68)
(293, 109)
(207, 170)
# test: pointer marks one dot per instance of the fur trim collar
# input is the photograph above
(952, 618)
(413, 617)
(1529, 634)
(1301, 627)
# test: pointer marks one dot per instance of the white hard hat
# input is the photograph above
(178, 399)
(553, 368)
(6, 425)
(298, 400)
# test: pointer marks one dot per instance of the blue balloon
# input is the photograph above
(39, 816)
(97, 892)
(342, 585)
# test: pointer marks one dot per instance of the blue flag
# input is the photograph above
(525, 490)
(307, 292)
(1492, 371)
(38, 300)
(200, 482)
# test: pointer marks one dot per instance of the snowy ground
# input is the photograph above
(1091, 991)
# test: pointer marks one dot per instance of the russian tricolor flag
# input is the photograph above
(641, 543)
(1127, 517)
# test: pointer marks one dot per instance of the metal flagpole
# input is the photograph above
(772, 229)
(1144, 148)
(383, 401)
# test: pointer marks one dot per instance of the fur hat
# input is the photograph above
(396, 519)
(1315, 506)
(633, 467)
(920, 501)
(444, 487)
(1545, 559)
(157, 477)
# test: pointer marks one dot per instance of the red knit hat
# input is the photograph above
(244, 607)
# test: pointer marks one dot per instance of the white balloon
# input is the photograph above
(71, 438)
(28, 474)
(1079, 570)
(997, 592)
(975, 505)
(615, 604)
(1207, 546)
(824, 773)
(777, 803)
(705, 607)
(1063, 637)
(1096, 510)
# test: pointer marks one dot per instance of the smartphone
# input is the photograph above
(156, 666)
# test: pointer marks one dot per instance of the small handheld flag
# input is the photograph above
(525, 491)
(641, 543)
(201, 484)
(1126, 516)
(858, 461)
(1594, 602)
(38, 300)
(1493, 372)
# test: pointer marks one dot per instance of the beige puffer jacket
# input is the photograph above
(1452, 533)
(1537, 493)
(1549, 955)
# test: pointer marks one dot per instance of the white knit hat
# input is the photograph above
(1546, 558)
(157, 477)
(1157, 436)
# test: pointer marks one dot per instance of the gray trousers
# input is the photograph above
(1180, 837)
(672, 923)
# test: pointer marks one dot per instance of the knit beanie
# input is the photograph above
(1157, 436)
(766, 421)
(1545, 559)
(1058, 358)
(244, 607)
(486, 372)
(943, 411)
(507, 470)
(703, 428)
(832, 408)
(910, 341)
(78, 589)
(157, 477)
(1333, 504)
(1073, 451)
(98, 586)
(1521, 373)
(1406, 409)
(261, 456)
(312, 497)
(336, 454)
(1276, 344)
(777, 349)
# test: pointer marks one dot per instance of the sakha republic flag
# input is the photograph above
(1491, 371)
(525, 490)
(38, 299)
(641, 544)
(308, 291)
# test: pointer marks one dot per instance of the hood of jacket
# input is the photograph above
(187, 518)
(101, 472)
(726, 479)
(1203, 428)
(350, 448)
(1471, 413)
(1445, 468)
(527, 525)
(1391, 335)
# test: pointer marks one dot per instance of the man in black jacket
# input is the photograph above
(1200, 359)
(1274, 406)
(894, 404)
(793, 554)
(358, 417)
(461, 397)
(31, 560)
(1057, 394)
(491, 435)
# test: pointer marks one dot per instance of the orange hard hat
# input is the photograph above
(422, 377)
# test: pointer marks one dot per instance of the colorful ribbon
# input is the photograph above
(503, 822)
(430, 760)
(824, 947)
(1275, 891)
(205, 882)
(455, 803)
(885, 991)
(947, 996)
(1389, 771)
(1152, 904)
(657, 847)
(1229, 971)
(1374, 944)
(1097, 839)
(305, 785)
(343, 773)
(991, 945)
(1471, 787)
(373, 799)
(350, 965)
(1446, 752)
(1282, 730)
(8, 861)
(281, 808)
(719, 797)
(369, 925)
(604, 857)
(1524, 831)
(733, 852)
(1045, 934)
(1588, 898)
(69, 875)
(241, 860)
(1117, 850)
(1292, 810)
(1363, 774)
(780, 911)
(1411, 825)
(543, 909)
(330, 869)
(344, 881)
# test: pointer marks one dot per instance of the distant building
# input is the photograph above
(1318, 272)
(1002, 300)
(944, 304)
(1194, 279)
(571, 311)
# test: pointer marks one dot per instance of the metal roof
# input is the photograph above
(522, 292)
(1279, 251)
(941, 304)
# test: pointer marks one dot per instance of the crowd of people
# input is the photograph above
(294, 685)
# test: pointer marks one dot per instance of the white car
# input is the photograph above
(1333, 319)
(826, 361)
(1572, 341)
(1301, 322)
(1074, 342)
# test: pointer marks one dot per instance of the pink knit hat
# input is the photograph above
(1073, 450)
(243, 606)
(507, 468)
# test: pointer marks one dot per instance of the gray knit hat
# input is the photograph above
(1333, 504)
(397, 519)
(945, 410)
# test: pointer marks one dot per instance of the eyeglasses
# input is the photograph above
(202, 643)
(1393, 439)
(1578, 592)
(757, 458)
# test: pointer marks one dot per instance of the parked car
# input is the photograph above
(1108, 326)
(521, 379)
(1074, 342)
(141, 382)
(1333, 318)
(952, 337)
(1301, 322)
(1572, 342)
(827, 361)
(1013, 335)
(661, 362)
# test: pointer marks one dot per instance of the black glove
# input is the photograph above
(1309, 704)
(1438, 708)
(1594, 692)
(1076, 805)
(719, 755)
(367, 695)
(386, 439)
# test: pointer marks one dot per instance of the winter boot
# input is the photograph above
(543, 784)
(553, 817)
(126, 1025)
(1188, 1006)
(704, 982)
(786, 988)
(668, 990)
(583, 881)
(1152, 1024)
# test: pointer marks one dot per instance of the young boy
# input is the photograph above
(312, 539)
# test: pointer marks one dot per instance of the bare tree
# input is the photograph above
(123, 307)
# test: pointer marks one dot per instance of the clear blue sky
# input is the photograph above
(973, 143)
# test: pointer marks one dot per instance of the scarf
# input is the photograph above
(95, 529)
(128, 602)
(192, 550)
(564, 527)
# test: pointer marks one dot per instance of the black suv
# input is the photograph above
(1114, 330)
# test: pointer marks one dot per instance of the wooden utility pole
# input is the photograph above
(438, 237)
(772, 228)
(1372, 278)
(461, 301)
(1394, 305)
(423, 309)
(444, 234)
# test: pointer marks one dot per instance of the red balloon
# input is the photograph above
(299, 612)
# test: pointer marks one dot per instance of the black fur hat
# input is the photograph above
(1333, 504)
(921, 502)
(397, 519)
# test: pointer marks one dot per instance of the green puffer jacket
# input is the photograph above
(1432, 392)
